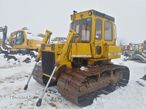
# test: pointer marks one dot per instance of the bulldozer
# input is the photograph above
(81, 67)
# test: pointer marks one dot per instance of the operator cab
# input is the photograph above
(17, 37)
(96, 35)
(93, 25)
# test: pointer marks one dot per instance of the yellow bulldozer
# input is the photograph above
(81, 67)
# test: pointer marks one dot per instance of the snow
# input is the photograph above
(14, 75)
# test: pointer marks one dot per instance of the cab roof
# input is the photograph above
(97, 13)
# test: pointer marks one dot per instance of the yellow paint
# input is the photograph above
(80, 50)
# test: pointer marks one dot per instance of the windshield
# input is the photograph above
(83, 28)
(19, 39)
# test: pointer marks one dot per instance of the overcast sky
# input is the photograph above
(54, 15)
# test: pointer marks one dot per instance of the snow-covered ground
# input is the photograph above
(14, 75)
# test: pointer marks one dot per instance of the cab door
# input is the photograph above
(110, 50)
(108, 33)
(81, 45)
(98, 37)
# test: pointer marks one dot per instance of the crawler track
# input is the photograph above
(81, 87)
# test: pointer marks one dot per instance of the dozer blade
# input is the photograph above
(38, 74)
(81, 87)
(41, 77)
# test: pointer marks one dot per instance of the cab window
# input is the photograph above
(77, 28)
(83, 28)
(19, 38)
(98, 29)
(108, 31)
